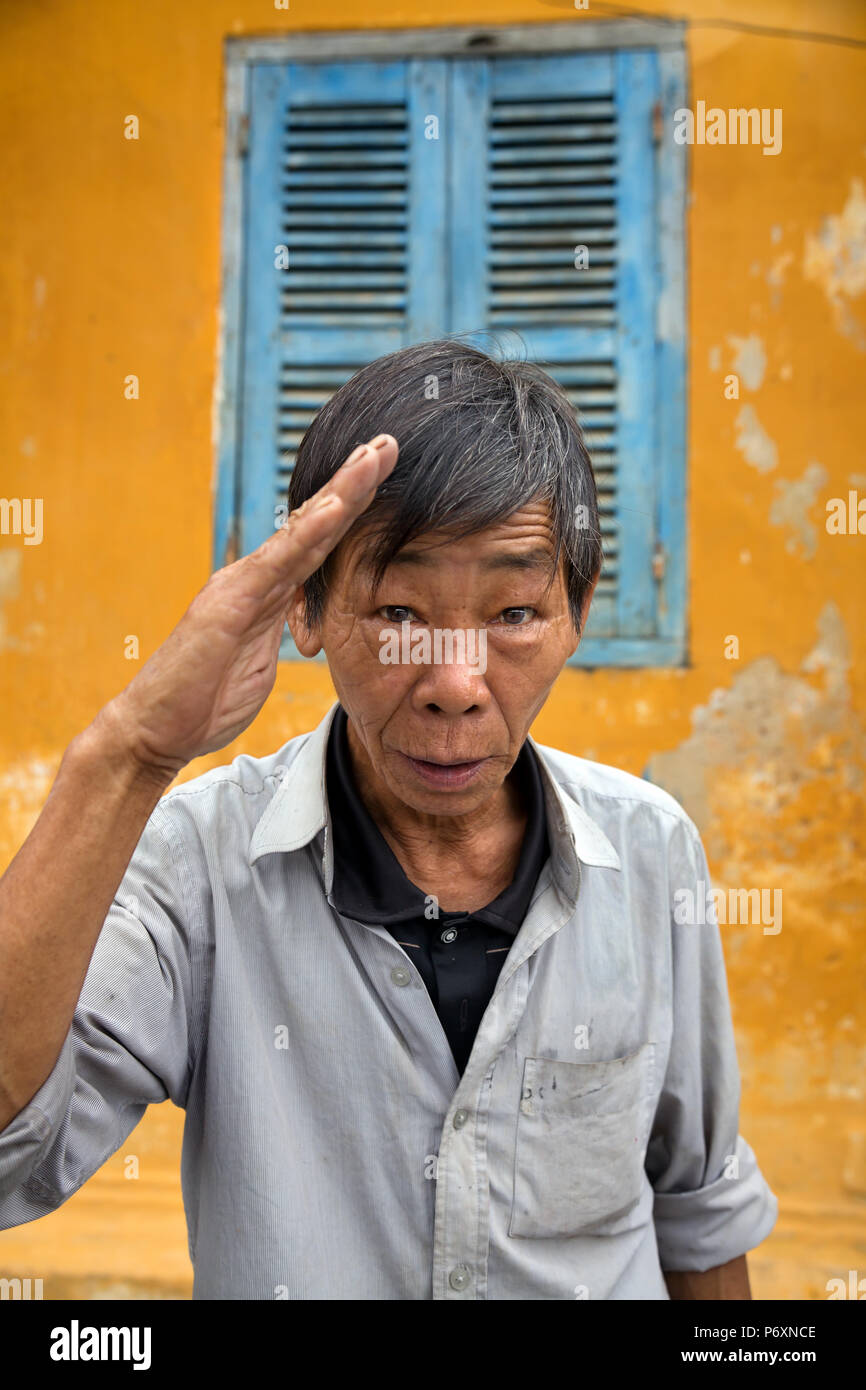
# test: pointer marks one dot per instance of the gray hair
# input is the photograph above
(479, 439)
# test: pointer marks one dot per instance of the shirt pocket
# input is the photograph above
(582, 1131)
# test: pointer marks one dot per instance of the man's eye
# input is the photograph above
(511, 621)
(396, 613)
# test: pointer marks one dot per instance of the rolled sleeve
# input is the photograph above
(712, 1203)
(31, 1133)
(717, 1222)
(130, 1042)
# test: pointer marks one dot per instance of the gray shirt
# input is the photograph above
(331, 1149)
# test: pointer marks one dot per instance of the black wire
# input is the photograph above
(761, 30)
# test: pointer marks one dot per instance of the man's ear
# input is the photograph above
(307, 640)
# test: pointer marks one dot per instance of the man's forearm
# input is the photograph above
(727, 1281)
(54, 898)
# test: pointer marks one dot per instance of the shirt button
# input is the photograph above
(449, 935)
(400, 975)
(459, 1277)
(460, 1118)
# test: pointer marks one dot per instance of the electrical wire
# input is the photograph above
(760, 30)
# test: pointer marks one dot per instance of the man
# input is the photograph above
(416, 980)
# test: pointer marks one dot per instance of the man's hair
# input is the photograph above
(479, 438)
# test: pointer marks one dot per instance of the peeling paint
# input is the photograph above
(217, 395)
(750, 360)
(24, 787)
(835, 259)
(831, 654)
(778, 270)
(772, 774)
(772, 754)
(753, 442)
(669, 324)
(790, 507)
(10, 588)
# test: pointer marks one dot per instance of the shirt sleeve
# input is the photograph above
(712, 1203)
(130, 1042)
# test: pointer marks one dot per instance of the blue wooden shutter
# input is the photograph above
(338, 173)
(393, 237)
(552, 153)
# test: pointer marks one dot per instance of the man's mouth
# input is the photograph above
(445, 774)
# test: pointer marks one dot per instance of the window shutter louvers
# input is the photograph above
(393, 237)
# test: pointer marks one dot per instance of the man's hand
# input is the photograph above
(211, 676)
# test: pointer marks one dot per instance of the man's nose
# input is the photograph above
(455, 687)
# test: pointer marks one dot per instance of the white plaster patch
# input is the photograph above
(790, 507)
(778, 270)
(750, 360)
(753, 442)
(831, 653)
(835, 259)
(764, 724)
(24, 787)
(10, 587)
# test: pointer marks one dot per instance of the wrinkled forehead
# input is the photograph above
(523, 542)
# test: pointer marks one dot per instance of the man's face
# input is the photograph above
(441, 738)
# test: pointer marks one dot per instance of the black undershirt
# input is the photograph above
(458, 955)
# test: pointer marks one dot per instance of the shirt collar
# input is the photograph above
(298, 810)
(369, 883)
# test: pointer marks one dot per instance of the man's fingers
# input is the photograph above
(313, 529)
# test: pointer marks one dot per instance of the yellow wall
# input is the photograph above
(111, 265)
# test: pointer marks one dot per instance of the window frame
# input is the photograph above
(669, 647)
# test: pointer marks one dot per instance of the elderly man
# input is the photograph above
(417, 981)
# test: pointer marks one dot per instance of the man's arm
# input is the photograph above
(198, 691)
(54, 898)
(727, 1281)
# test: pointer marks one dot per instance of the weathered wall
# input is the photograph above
(111, 265)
